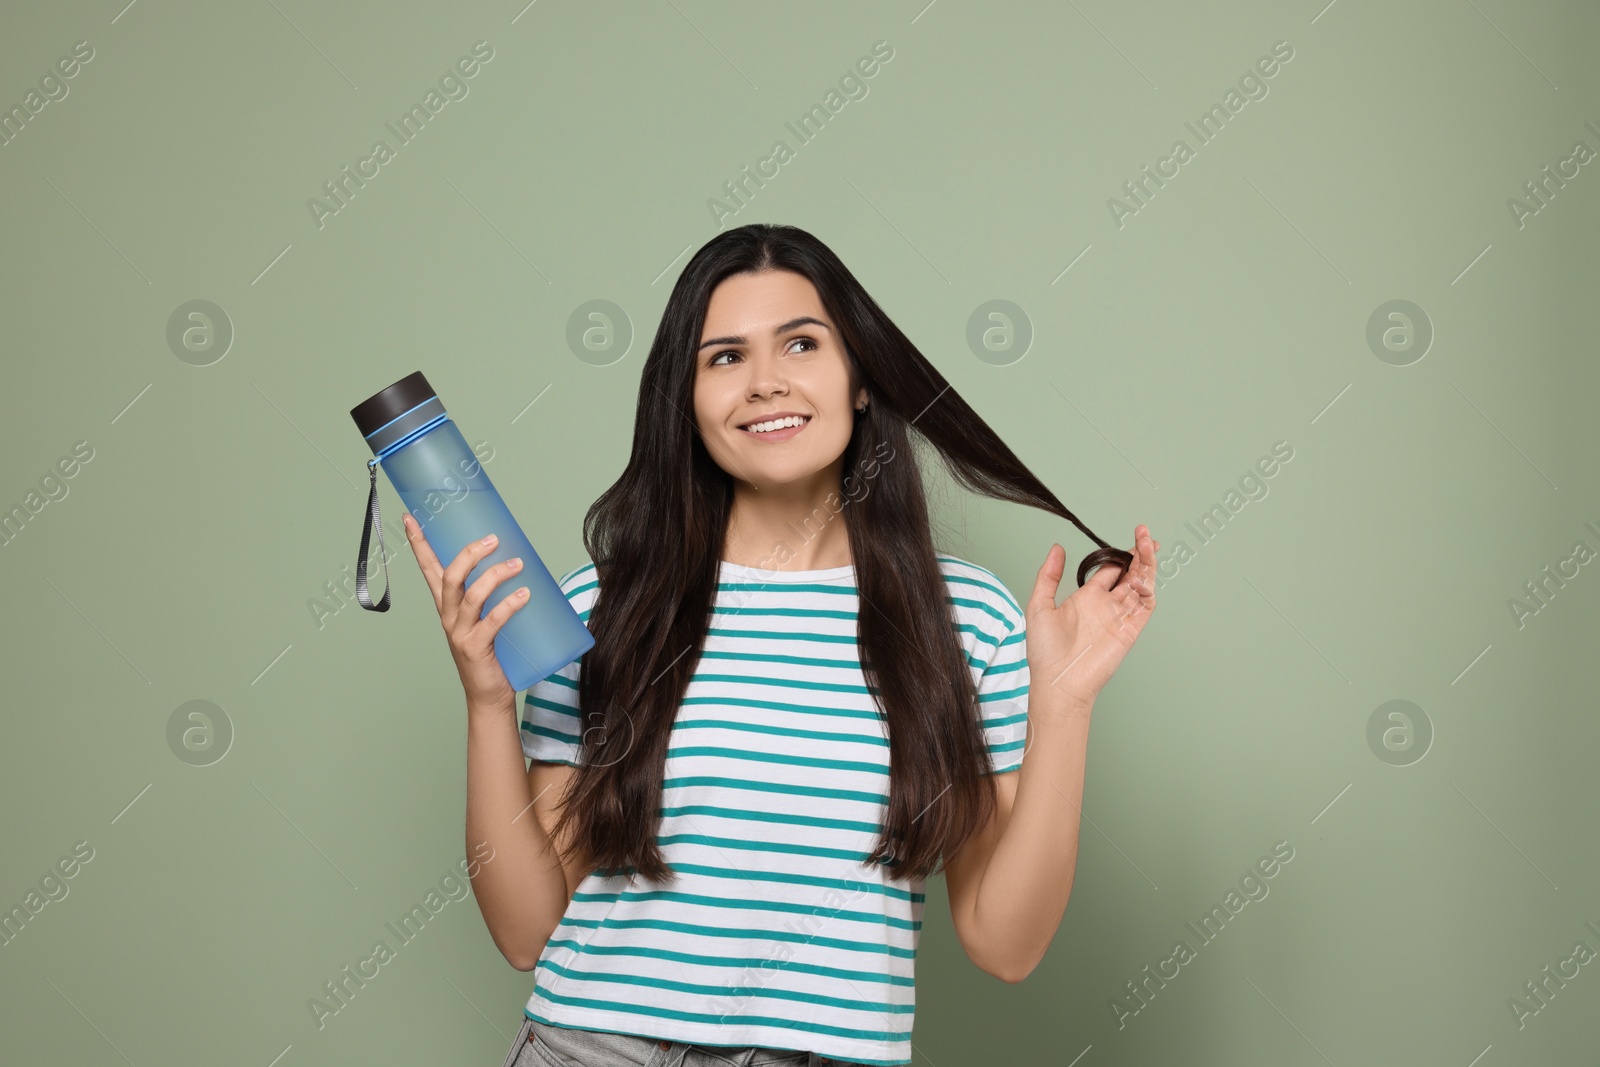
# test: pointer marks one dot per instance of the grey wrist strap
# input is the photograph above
(371, 519)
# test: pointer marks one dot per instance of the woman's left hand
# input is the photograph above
(1078, 644)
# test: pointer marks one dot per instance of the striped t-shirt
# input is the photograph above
(775, 933)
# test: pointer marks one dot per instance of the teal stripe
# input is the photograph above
(540, 730)
(874, 948)
(979, 634)
(567, 715)
(836, 639)
(555, 679)
(846, 616)
(983, 638)
(779, 847)
(729, 991)
(805, 661)
(845, 639)
(781, 635)
(703, 1017)
(1003, 694)
(772, 817)
(553, 734)
(568, 710)
(731, 961)
(999, 723)
(778, 705)
(748, 905)
(997, 587)
(798, 661)
(787, 683)
(987, 609)
(778, 757)
(568, 739)
(804, 613)
(779, 731)
(690, 781)
(776, 787)
(843, 885)
(788, 587)
(1004, 720)
(962, 579)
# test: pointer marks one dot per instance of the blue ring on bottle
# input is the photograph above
(404, 428)
(412, 436)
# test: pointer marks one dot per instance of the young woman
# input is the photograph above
(796, 709)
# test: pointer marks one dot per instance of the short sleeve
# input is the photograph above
(1003, 692)
(551, 731)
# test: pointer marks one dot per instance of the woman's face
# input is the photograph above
(768, 348)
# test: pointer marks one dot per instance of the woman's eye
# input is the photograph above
(810, 344)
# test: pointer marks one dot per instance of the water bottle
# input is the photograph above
(452, 499)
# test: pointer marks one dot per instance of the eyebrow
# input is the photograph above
(803, 320)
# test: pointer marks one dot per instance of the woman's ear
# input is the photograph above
(861, 399)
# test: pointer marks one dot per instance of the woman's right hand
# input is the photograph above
(471, 638)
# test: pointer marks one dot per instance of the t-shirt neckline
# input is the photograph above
(740, 572)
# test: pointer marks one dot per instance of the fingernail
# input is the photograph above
(516, 563)
(489, 540)
(520, 593)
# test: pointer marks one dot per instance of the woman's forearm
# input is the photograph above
(521, 890)
(1023, 892)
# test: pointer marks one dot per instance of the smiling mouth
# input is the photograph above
(781, 432)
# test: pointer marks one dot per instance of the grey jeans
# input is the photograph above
(541, 1045)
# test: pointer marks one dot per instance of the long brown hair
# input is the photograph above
(656, 538)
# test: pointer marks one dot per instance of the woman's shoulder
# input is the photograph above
(580, 584)
(974, 587)
(583, 573)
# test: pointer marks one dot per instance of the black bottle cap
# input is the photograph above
(390, 414)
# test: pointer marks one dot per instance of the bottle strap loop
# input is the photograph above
(370, 520)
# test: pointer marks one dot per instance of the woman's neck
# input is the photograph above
(787, 527)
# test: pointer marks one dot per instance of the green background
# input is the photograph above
(1229, 313)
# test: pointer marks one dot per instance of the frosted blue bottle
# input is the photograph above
(451, 497)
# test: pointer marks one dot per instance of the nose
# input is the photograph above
(766, 378)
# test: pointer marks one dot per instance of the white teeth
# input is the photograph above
(776, 424)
